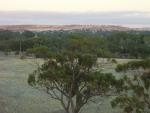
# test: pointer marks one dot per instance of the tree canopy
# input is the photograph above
(103, 44)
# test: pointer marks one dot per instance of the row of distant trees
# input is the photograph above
(113, 44)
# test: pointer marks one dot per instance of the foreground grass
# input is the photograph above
(16, 96)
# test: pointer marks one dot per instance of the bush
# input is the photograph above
(40, 52)
(114, 61)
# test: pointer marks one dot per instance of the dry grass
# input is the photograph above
(16, 96)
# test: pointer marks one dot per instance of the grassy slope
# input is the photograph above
(17, 97)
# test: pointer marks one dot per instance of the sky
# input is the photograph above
(76, 5)
(124, 12)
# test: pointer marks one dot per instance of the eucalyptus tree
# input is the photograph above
(73, 80)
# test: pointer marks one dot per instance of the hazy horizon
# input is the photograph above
(122, 18)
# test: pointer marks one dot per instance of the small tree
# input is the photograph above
(28, 34)
(73, 80)
(40, 52)
(135, 97)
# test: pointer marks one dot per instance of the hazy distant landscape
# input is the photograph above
(38, 28)
(74, 56)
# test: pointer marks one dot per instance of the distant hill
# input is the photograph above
(38, 28)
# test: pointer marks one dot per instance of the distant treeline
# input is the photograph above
(131, 44)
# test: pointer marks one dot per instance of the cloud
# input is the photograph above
(56, 18)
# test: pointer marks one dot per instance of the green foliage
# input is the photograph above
(134, 65)
(103, 44)
(40, 52)
(104, 82)
(104, 53)
(87, 60)
(31, 79)
(114, 61)
(135, 96)
(129, 104)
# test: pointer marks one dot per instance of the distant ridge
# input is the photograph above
(37, 28)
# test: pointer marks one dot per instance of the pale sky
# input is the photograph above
(75, 5)
(119, 12)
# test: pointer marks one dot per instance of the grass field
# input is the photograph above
(16, 96)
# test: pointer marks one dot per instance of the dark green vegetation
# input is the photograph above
(103, 44)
